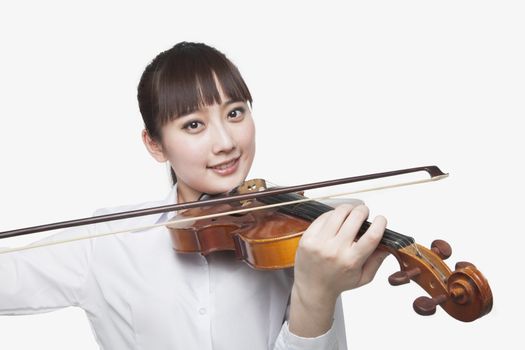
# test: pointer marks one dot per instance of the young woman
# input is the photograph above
(139, 294)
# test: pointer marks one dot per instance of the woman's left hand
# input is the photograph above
(329, 261)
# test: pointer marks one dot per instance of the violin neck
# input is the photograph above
(311, 210)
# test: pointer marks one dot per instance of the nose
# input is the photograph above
(223, 140)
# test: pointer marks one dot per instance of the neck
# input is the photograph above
(186, 195)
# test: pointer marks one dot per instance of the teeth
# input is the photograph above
(224, 166)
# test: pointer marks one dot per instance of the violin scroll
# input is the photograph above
(463, 293)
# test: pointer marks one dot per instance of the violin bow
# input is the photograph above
(433, 171)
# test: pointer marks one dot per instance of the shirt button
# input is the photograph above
(202, 311)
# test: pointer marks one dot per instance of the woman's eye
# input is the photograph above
(193, 126)
(236, 113)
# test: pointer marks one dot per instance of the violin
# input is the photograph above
(267, 239)
(263, 226)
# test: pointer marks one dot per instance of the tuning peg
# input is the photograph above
(427, 306)
(463, 264)
(441, 248)
(402, 277)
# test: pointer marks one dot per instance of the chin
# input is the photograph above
(226, 185)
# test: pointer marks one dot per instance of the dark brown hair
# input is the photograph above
(181, 80)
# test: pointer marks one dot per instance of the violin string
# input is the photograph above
(428, 261)
(178, 221)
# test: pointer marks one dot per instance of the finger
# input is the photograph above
(371, 266)
(368, 242)
(334, 223)
(349, 229)
(316, 226)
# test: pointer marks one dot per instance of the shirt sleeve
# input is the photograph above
(333, 339)
(46, 278)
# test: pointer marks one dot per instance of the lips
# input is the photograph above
(225, 165)
(226, 168)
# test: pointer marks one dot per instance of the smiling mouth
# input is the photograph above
(225, 165)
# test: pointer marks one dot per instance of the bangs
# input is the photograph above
(187, 81)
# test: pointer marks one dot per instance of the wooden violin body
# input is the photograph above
(268, 239)
(264, 239)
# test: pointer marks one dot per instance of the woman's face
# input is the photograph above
(210, 150)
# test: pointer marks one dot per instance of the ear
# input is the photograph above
(154, 148)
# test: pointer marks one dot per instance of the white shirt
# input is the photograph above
(139, 294)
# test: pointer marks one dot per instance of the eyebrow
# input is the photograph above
(229, 102)
(225, 103)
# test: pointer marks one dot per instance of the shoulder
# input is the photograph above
(142, 220)
(125, 208)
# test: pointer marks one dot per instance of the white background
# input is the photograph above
(339, 90)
